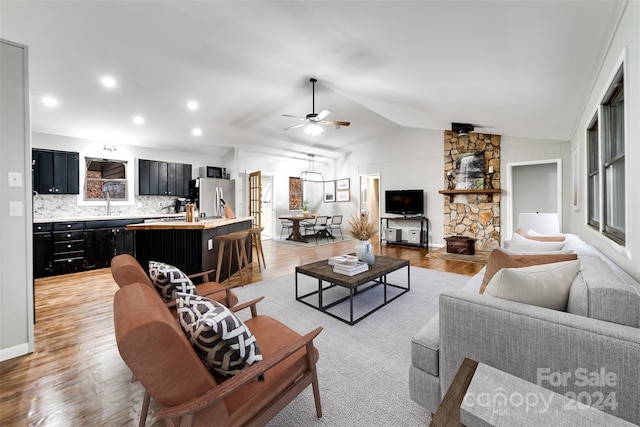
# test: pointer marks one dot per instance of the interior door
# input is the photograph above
(255, 197)
(268, 212)
(534, 187)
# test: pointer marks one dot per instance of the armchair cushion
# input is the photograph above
(169, 279)
(221, 339)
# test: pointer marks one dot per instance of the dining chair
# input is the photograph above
(319, 227)
(336, 224)
(286, 224)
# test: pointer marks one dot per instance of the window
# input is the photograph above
(105, 179)
(612, 140)
(593, 174)
(295, 193)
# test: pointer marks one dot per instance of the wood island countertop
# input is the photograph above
(183, 225)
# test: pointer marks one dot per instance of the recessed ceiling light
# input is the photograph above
(108, 81)
(192, 105)
(138, 120)
(50, 101)
(196, 131)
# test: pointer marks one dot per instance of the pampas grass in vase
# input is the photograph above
(363, 230)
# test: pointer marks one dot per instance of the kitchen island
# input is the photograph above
(190, 246)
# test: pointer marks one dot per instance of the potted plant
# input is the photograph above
(363, 230)
(305, 207)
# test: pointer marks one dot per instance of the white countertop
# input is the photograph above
(106, 217)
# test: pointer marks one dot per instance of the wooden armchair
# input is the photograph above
(154, 347)
(126, 270)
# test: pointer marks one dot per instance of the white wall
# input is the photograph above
(517, 150)
(626, 43)
(409, 159)
(16, 256)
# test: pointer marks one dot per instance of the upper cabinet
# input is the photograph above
(55, 172)
(163, 178)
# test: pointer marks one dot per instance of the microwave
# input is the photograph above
(211, 172)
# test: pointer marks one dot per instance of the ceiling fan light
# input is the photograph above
(313, 129)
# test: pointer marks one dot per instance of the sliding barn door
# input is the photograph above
(255, 197)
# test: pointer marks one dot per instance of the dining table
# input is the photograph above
(295, 235)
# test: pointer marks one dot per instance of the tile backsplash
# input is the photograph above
(65, 206)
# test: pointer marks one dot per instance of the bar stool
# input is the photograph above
(236, 241)
(256, 241)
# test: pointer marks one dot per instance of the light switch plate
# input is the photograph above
(15, 179)
(16, 209)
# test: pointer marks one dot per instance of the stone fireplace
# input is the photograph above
(473, 213)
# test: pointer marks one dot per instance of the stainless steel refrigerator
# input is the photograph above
(211, 194)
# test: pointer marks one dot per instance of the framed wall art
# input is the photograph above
(329, 191)
(342, 184)
(343, 195)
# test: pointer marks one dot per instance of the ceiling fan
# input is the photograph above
(314, 121)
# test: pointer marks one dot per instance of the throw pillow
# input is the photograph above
(521, 244)
(531, 235)
(220, 338)
(500, 258)
(541, 285)
(168, 280)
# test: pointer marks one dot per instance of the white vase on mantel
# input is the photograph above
(364, 252)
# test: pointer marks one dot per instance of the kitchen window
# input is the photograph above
(105, 179)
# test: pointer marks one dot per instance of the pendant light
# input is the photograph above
(311, 175)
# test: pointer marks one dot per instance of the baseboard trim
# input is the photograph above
(15, 351)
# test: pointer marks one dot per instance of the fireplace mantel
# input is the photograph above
(488, 192)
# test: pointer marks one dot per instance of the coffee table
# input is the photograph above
(357, 284)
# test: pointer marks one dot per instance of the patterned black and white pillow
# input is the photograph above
(168, 280)
(220, 338)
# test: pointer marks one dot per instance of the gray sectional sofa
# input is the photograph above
(590, 352)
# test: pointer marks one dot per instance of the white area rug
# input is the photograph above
(363, 369)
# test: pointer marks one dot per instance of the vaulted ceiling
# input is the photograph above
(517, 68)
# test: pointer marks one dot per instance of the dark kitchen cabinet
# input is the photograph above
(163, 178)
(68, 247)
(98, 252)
(106, 239)
(123, 241)
(55, 172)
(143, 177)
(186, 177)
(42, 250)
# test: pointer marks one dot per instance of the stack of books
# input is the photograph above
(340, 259)
(350, 269)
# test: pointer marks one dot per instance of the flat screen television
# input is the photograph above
(404, 202)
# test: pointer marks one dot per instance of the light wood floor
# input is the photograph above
(75, 375)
